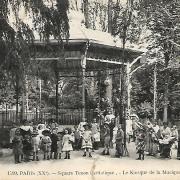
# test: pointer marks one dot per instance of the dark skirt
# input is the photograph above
(165, 150)
(178, 150)
(54, 147)
(119, 149)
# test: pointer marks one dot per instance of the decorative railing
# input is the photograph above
(66, 117)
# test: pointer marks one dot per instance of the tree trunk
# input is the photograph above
(165, 108)
(22, 107)
(86, 13)
(17, 97)
(57, 88)
(109, 16)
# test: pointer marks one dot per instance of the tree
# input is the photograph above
(48, 20)
(125, 26)
(162, 19)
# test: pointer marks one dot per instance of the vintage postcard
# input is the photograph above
(89, 89)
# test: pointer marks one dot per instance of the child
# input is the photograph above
(87, 140)
(67, 144)
(54, 139)
(106, 139)
(59, 144)
(46, 144)
(35, 140)
(17, 146)
(77, 140)
(27, 147)
(140, 146)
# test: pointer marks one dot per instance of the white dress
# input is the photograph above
(35, 143)
(67, 143)
(86, 141)
(95, 132)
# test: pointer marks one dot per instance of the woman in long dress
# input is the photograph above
(95, 134)
(119, 142)
(106, 139)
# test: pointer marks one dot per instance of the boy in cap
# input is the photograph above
(17, 146)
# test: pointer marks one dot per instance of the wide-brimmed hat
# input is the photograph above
(106, 123)
(45, 132)
(87, 125)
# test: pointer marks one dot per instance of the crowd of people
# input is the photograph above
(154, 139)
(51, 141)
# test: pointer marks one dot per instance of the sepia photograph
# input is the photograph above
(89, 89)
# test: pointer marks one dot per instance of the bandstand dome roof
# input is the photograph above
(102, 45)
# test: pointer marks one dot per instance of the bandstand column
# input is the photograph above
(83, 65)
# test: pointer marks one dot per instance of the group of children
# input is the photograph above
(27, 146)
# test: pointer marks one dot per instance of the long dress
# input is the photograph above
(119, 142)
(67, 143)
(178, 150)
(86, 140)
(107, 137)
(151, 145)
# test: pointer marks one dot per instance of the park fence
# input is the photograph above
(65, 117)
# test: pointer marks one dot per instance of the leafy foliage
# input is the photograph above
(49, 19)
